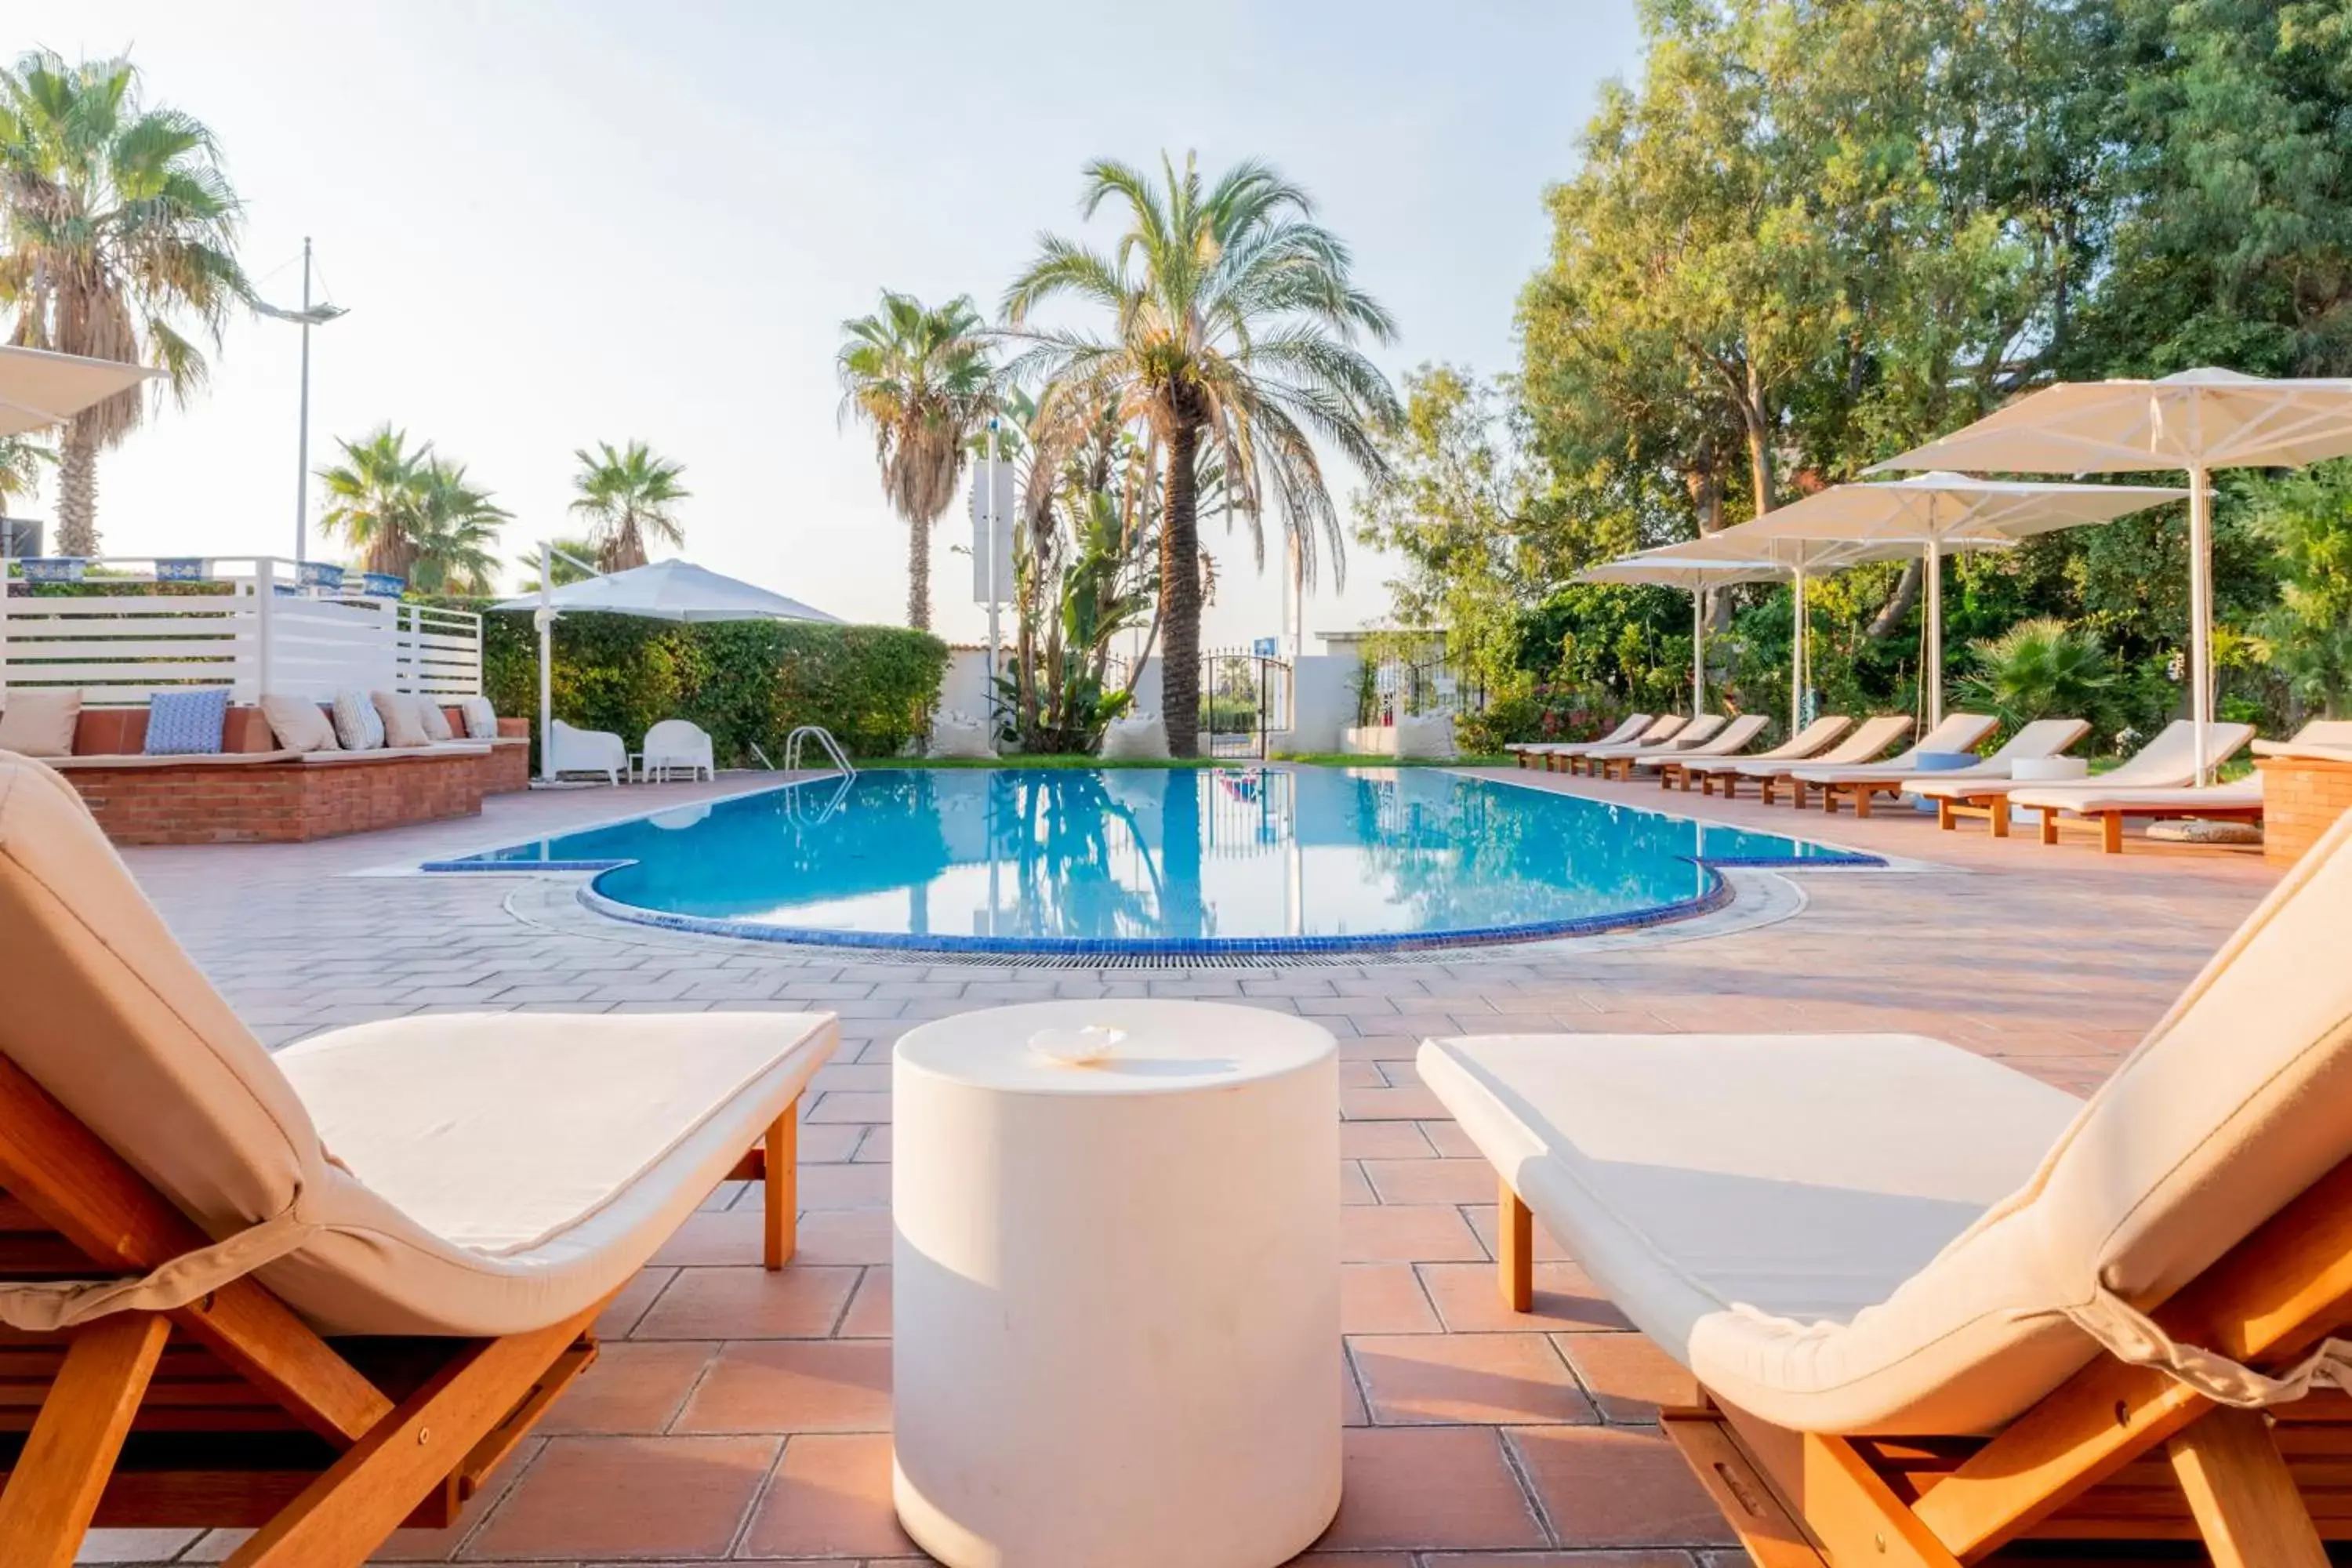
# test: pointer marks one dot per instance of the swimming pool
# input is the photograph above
(1171, 861)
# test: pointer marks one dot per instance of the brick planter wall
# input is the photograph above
(277, 802)
(506, 770)
(2302, 798)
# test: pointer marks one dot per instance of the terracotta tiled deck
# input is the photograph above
(740, 1416)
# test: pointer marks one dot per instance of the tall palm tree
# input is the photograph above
(372, 499)
(1233, 323)
(120, 236)
(456, 524)
(626, 495)
(921, 379)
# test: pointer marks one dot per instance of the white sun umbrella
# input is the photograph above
(2193, 422)
(1698, 575)
(38, 389)
(664, 591)
(1935, 514)
(1797, 558)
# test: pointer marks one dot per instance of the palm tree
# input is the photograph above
(372, 499)
(921, 378)
(20, 467)
(1232, 322)
(626, 495)
(119, 232)
(455, 525)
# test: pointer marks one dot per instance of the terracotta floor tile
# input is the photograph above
(825, 1143)
(408, 1545)
(798, 1301)
(1469, 1299)
(1342, 1560)
(1384, 1299)
(1431, 1487)
(134, 1545)
(1616, 1486)
(876, 1147)
(629, 1303)
(1635, 1559)
(628, 1497)
(713, 1239)
(635, 1386)
(1482, 1220)
(844, 1187)
(844, 1235)
(1396, 1233)
(1412, 1104)
(1419, 1380)
(1432, 1181)
(1627, 1375)
(1447, 1138)
(1353, 1188)
(1383, 1140)
(830, 1498)
(851, 1105)
(793, 1386)
(868, 1317)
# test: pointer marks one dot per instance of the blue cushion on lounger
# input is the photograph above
(186, 723)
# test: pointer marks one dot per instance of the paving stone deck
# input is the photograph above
(741, 1415)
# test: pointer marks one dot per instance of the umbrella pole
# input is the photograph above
(1935, 659)
(546, 620)
(1797, 659)
(2201, 617)
(1698, 652)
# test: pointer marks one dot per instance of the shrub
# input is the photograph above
(747, 682)
(2039, 669)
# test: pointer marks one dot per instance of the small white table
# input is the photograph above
(1116, 1289)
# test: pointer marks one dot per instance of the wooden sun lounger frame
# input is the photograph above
(231, 1411)
(2109, 823)
(1992, 807)
(2116, 1453)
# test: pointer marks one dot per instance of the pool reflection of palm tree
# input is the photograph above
(1052, 832)
(1182, 912)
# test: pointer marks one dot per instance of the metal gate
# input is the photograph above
(1245, 699)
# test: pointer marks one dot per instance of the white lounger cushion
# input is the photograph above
(2237, 1101)
(125, 1032)
(1691, 732)
(2094, 798)
(1957, 732)
(2165, 762)
(1874, 736)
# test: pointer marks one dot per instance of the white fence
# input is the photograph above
(244, 623)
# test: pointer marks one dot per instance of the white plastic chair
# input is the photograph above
(677, 743)
(589, 752)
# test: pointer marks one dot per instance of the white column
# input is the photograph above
(1933, 662)
(546, 620)
(2201, 614)
(1797, 656)
(264, 588)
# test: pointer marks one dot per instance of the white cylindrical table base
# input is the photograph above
(1116, 1289)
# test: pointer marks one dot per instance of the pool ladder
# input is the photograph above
(798, 739)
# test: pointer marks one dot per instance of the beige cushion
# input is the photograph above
(300, 723)
(1135, 739)
(401, 727)
(1798, 1234)
(482, 719)
(38, 724)
(430, 714)
(358, 728)
(1426, 735)
(542, 1196)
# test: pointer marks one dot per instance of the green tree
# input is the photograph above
(20, 467)
(2040, 668)
(919, 378)
(412, 514)
(2306, 638)
(1233, 318)
(628, 496)
(120, 244)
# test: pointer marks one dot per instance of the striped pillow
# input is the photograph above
(358, 727)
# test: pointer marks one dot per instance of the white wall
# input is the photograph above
(1322, 703)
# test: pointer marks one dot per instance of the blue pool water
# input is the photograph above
(1144, 860)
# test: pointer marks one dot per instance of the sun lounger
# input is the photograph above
(1697, 733)
(1933, 1306)
(2104, 808)
(1656, 732)
(1867, 742)
(321, 1293)
(1541, 751)
(1806, 743)
(2042, 738)
(1726, 742)
(1957, 733)
(2168, 761)
(2322, 740)
(674, 745)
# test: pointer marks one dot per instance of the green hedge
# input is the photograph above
(746, 682)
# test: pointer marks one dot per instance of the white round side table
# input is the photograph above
(1114, 1295)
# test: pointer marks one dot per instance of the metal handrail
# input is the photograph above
(824, 737)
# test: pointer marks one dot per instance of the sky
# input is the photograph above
(553, 224)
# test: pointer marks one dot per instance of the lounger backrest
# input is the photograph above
(2237, 1101)
(1701, 728)
(1874, 736)
(1957, 732)
(2042, 738)
(2171, 758)
(1633, 725)
(1736, 734)
(1664, 725)
(2325, 733)
(106, 1011)
(1813, 737)
(672, 733)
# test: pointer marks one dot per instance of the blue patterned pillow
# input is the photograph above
(186, 723)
